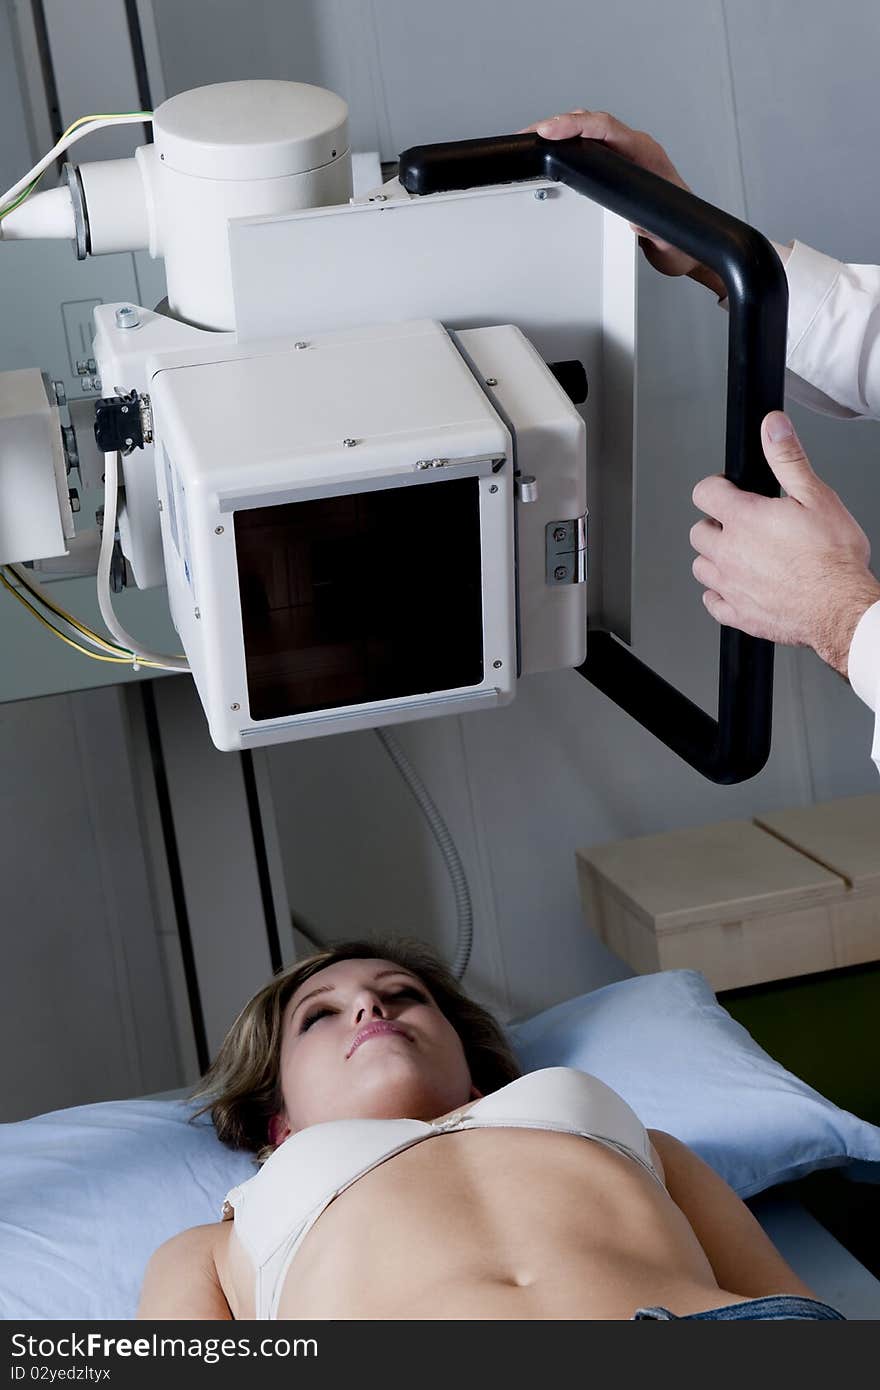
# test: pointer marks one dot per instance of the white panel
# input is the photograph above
(470, 259)
(35, 516)
(550, 449)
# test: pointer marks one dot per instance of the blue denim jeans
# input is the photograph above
(772, 1309)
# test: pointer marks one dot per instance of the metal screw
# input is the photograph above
(235, 706)
(422, 464)
(300, 345)
(161, 508)
(437, 463)
(494, 487)
(497, 665)
(129, 443)
(379, 198)
(127, 317)
(560, 572)
(559, 533)
(541, 194)
(218, 530)
(349, 443)
(491, 381)
(197, 612)
(124, 409)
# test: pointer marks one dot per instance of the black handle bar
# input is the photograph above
(737, 744)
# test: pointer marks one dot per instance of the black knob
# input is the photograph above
(572, 378)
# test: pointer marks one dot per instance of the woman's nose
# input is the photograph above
(367, 1005)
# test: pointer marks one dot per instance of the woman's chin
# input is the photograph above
(396, 1087)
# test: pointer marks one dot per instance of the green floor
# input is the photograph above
(824, 1028)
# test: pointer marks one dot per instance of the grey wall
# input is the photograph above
(85, 1008)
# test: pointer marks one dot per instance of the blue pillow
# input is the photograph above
(87, 1194)
(685, 1066)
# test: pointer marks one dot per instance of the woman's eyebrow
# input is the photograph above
(328, 989)
(322, 989)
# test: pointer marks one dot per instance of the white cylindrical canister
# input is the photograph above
(235, 149)
(113, 193)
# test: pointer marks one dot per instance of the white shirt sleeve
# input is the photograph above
(833, 366)
(833, 353)
(863, 664)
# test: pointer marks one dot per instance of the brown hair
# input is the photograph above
(243, 1086)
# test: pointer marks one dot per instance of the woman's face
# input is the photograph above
(363, 1039)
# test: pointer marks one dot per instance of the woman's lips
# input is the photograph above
(376, 1030)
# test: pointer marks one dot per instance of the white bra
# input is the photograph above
(275, 1210)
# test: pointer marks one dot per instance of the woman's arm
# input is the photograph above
(744, 1260)
(181, 1281)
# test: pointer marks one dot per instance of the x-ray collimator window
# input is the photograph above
(367, 596)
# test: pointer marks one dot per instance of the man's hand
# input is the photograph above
(640, 149)
(792, 569)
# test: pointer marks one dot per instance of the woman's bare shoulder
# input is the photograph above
(182, 1279)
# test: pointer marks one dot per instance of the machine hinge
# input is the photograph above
(566, 551)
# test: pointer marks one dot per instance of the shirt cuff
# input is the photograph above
(811, 277)
(863, 663)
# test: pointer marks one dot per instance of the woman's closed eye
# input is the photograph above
(408, 992)
(314, 1016)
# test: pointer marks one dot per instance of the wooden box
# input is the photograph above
(735, 900)
(844, 837)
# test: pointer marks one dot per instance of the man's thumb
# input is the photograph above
(785, 455)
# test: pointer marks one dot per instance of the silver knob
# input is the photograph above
(527, 488)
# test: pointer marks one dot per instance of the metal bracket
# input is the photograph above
(566, 551)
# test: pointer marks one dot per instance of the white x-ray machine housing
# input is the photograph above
(345, 448)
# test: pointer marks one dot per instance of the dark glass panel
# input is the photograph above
(365, 597)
